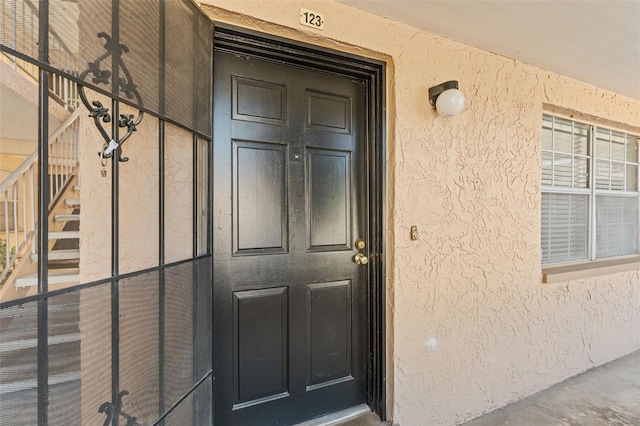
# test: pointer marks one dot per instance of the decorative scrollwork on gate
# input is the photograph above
(99, 112)
(115, 410)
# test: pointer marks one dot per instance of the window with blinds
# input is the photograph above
(589, 192)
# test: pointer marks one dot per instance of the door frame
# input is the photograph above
(249, 43)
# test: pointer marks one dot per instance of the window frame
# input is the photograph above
(591, 190)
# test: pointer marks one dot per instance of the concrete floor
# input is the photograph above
(605, 396)
(367, 419)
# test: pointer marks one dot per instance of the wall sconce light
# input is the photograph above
(446, 98)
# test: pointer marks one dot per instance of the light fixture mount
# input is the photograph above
(435, 91)
(446, 98)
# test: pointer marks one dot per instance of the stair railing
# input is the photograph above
(20, 22)
(18, 191)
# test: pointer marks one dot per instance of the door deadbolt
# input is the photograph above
(360, 244)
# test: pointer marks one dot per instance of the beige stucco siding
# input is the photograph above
(471, 327)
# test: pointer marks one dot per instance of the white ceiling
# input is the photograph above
(19, 118)
(597, 42)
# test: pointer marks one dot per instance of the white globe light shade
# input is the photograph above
(450, 102)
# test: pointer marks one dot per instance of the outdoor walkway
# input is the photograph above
(605, 396)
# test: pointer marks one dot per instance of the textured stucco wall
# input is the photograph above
(138, 249)
(138, 225)
(95, 198)
(178, 194)
(471, 327)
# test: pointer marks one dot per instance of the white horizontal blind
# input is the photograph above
(565, 155)
(582, 217)
(616, 212)
(616, 161)
(565, 224)
(616, 225)
(565, 194)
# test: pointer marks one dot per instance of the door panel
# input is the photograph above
(289, 302)
(260, 195)
(328, 112)
(260, 344)
(259, 101)
(329, 199)
(329, 333)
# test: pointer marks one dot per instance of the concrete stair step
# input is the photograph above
(23, 364)
(59, 255)
(66, 217)
(33, 343)
(64, 235)
(57, 164)
(76, 188)
(56, 276)
(72, 202)
(71, 254)
(59, 323)
(55, 379)
(63, 302)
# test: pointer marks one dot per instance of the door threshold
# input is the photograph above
(337, 417)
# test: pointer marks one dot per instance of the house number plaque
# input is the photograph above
(312, 19)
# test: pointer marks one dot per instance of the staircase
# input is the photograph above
(19, 362)
(64, 252)
(18, 228)
(18, 200)
(18, 190)
(19, 324)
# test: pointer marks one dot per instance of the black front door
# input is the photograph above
(290, 201)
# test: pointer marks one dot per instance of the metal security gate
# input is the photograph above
(129, 342)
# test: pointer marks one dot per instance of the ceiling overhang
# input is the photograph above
(596, 42)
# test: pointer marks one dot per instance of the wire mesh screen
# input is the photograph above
(187, 355)
(203, 409)
(191, 411)
(95, 352)
(188, 46)
(160, 51)
(140, 28)
(182, 414)
(19, 29)
(179, 335)
(139, 346)
(164, 349)
(64, 360)
(150, 53)
(203, 299)
(19, 365)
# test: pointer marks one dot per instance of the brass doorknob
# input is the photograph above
(361, 259)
